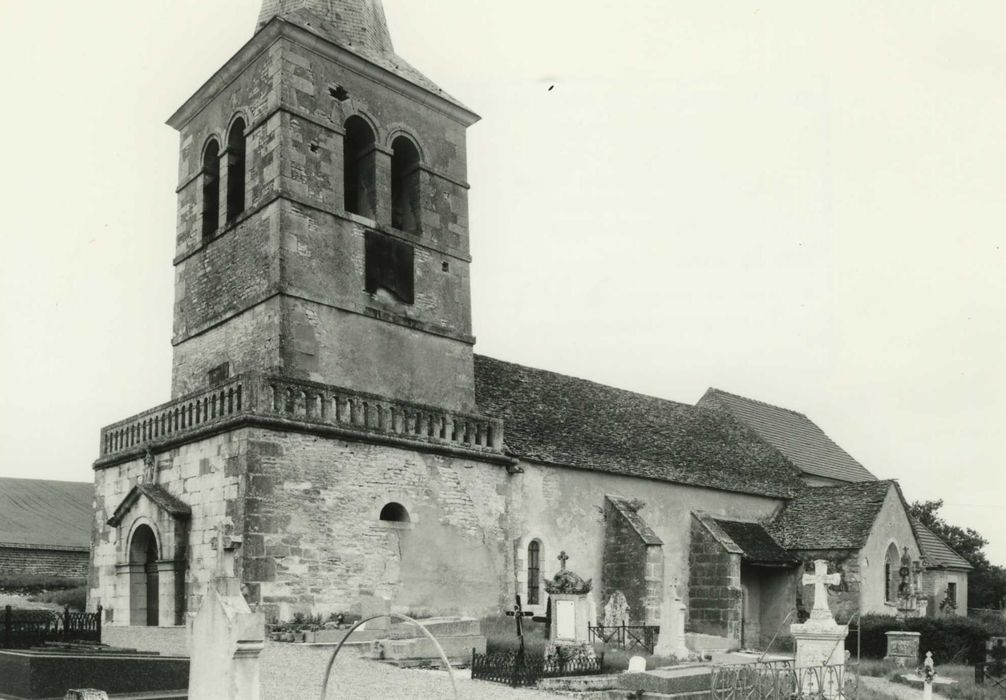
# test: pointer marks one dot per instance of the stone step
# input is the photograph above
(579, 684)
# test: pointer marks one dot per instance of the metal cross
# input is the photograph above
(518, 614)
(819, 579)
(563, 558)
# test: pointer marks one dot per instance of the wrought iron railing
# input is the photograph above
(781, 680)
(518, 669)
(627, 637)
(24, 629)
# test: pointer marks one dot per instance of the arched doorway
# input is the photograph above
(143, 580)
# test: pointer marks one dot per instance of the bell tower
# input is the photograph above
(323, 214)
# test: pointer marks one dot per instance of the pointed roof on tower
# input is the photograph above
(359, 26)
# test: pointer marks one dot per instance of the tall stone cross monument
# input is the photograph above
(820, 579)
(820, 641)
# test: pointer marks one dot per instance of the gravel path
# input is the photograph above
(291, 672)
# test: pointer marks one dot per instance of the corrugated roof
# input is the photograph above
(935, 551)
(556, 419)
(793, 434)
(757, 544)
(46, 513)
(831, 517)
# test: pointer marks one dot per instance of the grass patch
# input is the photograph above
(73, 598)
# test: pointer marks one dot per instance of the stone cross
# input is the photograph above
(563, 558)
(223, 561)
(930, 671)
(819, 579)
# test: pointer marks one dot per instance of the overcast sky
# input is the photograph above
(799, 202)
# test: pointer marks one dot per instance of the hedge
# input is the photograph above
(951, 639)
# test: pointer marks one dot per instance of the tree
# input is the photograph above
(987, 582)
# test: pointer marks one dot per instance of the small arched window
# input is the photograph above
(394, 513)
(891, 573)
(359, 171)
(534, 573)
(404, 185)
(211, 188)
(236, 171)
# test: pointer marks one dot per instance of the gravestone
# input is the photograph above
(372, 605)
(903, 648)
(637, 664)
(671, 641)
(225, 638)
(616, 610)
(86, 694)
(820, 641)
(569, 636)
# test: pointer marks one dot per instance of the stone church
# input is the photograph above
(330, 418)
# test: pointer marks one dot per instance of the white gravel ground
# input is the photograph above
(292, 672)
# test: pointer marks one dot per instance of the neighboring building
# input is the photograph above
(946, 579)
(45, 528)
(330, 422)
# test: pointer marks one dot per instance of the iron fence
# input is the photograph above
(780, 680)
(627, 637)
(24, 629)
(518, 669)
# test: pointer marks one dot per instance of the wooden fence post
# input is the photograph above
(99, 620)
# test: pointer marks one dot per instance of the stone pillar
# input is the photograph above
(382, 180)
(170, 576)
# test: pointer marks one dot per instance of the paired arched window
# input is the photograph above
(404, 185)
(211, 188)
(236, 171)
(359, 168)
(534, 573)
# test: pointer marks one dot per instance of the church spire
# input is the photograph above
(359, 23)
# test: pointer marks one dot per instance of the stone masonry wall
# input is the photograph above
(207, 476)
(23, 561)
(633, 567)
(715, 604)
(313, 538)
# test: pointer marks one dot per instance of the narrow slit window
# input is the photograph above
(359, 171)
(211, 189)
(405, 185)
(534, 573)
(236, 171)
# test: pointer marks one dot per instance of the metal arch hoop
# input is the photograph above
(443, 656)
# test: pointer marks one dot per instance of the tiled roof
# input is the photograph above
(831, 517)
(358, 26)
(556, 419)
(793, 434)
(937, 553)
(631, 514)
(46, 513)
(758, 545)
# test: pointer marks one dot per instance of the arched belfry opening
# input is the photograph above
(360, 168)
(405, 185)
(236, 170)
(144, 584)
(211, 188)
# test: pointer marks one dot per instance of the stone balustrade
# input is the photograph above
(285, 400)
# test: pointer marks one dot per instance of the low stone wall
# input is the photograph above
(28, 561)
